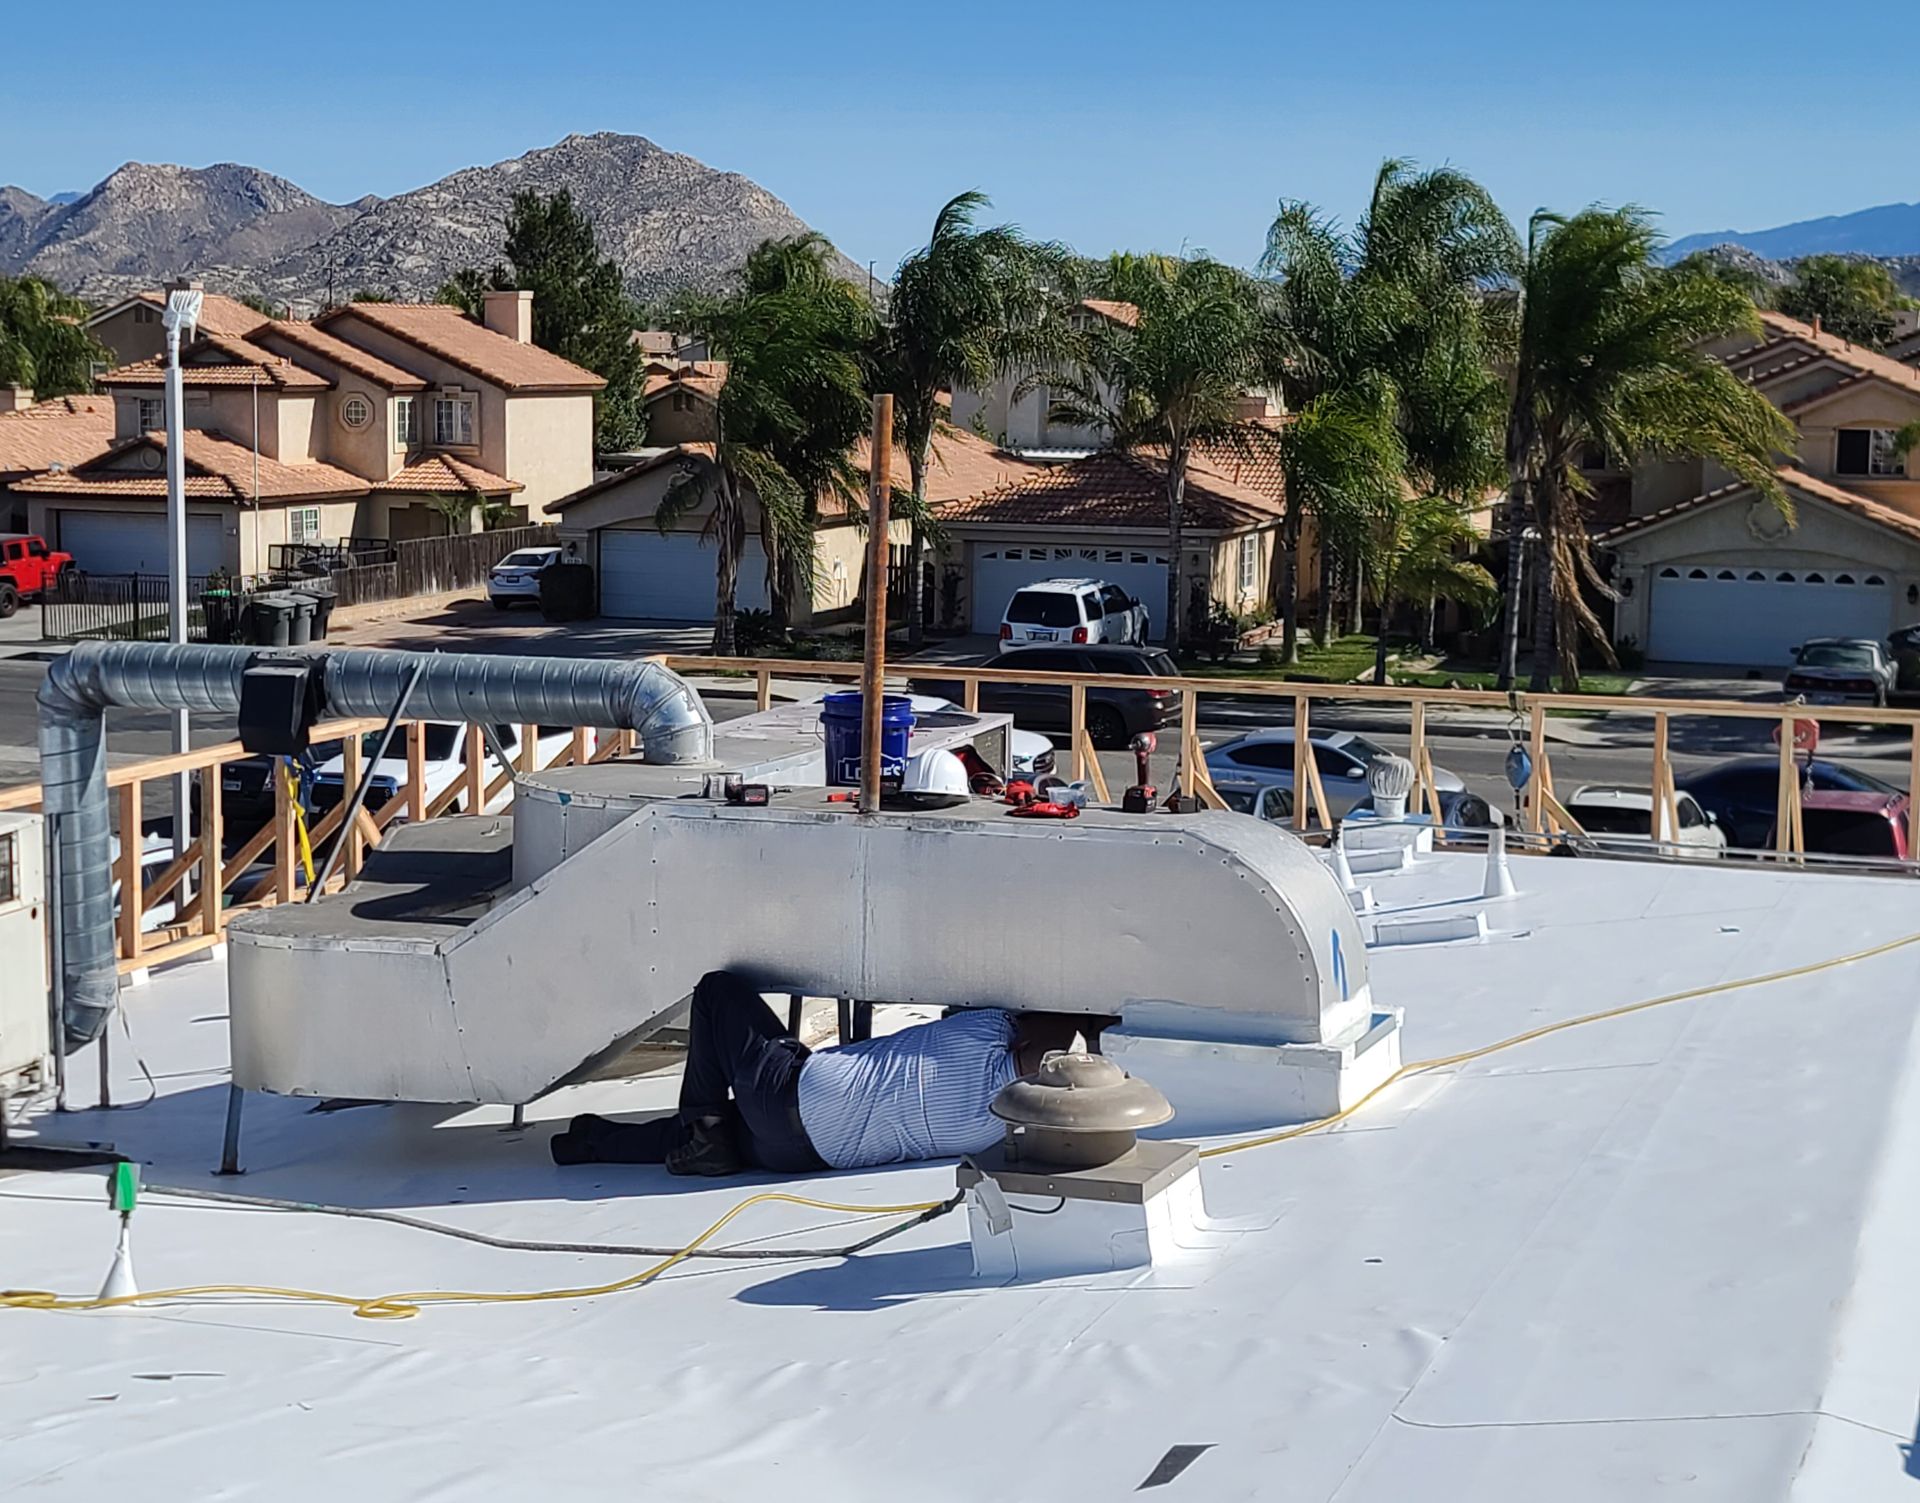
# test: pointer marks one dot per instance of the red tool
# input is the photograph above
(1020, 792)
(1045, 809)
(1139, 798)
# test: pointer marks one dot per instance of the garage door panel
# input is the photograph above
(1739, 614)
(652, 576)
(1000, 570)
(104, 542)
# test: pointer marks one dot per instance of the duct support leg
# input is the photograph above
(106, 1066)
(844, 1019)
(794, 1008)
(230, 1144)
(519, 1122)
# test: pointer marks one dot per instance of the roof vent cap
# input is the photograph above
(1077, 1111)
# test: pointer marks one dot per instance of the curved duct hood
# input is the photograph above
(645, 697)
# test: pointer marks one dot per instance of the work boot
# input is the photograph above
(575, 1144)
(708, 1150)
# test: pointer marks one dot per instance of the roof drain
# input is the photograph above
(642, 696)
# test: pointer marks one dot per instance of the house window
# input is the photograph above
(453, 421)
(1867, 451)
(356, 411)
(145, 313)
(1249, 563)
(303, 524)
(153, 413)
(1594, 457)
(405, 433)
(682, 401)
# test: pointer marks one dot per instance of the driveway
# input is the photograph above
(471, 625)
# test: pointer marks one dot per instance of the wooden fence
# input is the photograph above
(265, 868)
(436, 566)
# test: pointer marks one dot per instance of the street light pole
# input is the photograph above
(182, 314)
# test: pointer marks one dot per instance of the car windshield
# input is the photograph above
(1836, 775)
(1362, 749)
(1611, 819)
(1836, 655)
(1240, 800)
(1043, 608)
(526, 558)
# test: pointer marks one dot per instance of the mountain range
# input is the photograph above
(670, 221)
(1890, 231)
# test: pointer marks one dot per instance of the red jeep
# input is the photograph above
(27, 568)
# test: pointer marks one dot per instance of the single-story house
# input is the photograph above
(646, 574)
(1728, 577)
(1105, 517)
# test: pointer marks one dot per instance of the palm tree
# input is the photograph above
(968, 308)
(792, 405)
(1414, 557)
(1171, 380)
(1609, 354)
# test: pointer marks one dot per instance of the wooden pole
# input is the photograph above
(1789, 787)
(874, 667)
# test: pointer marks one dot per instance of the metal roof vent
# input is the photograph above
(1390, 780)
(1077, 1111)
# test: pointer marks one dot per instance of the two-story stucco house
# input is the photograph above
(1709, 571)
(348, 426)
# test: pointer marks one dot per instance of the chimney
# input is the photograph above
(15, 398)
(185, 284)
(511, 314)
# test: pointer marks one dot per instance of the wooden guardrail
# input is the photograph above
(265, 869)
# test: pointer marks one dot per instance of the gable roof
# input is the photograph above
(219, 314)
(1850, 502)
(465, 342)
(60, 431)
(703, 378)
(242, 363)
(1120, 489)
(218, 469)
(1119, 313)
(348, 357)
(1784, 333)
(442, 473)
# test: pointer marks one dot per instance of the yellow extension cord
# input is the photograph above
(404, 1306)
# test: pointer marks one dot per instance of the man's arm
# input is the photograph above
(1038, 1034)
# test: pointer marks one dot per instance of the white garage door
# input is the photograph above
(651, 576)
(999, 571)
(103, 542)
(1707, 613)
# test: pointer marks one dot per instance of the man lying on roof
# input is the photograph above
(755, 1097)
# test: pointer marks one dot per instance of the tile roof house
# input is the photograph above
(359, 419)
(39, 436)
(1711, 571)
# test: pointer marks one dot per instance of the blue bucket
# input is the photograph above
(840, 716)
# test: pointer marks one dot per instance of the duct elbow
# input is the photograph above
(670, 719)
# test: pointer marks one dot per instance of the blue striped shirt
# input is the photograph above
(921, 1093)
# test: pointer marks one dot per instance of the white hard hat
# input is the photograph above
(934, 780)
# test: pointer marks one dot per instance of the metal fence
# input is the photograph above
(118, 607)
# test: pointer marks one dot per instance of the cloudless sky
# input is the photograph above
(1107, 125)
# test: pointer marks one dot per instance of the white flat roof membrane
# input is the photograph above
(1666, 1254)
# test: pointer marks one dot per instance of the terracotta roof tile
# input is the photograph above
(1119, 313)
(1864, 508)
(1117, 489)
(962, 464)
(347, 356)
(702, 377)
(217, 468)
(219, 314)
(1783, 330)
(650, 459)
(443, 473)
(59, 431)
(447, 332)
(241, 363)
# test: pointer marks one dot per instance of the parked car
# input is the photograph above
(1742, 794)
(1072, 610)
(1841, 670)
(1029, 754)
(28, 568)
(246, 786)
(515, 580)
(1855, 823)
(1460, 809)
(1618, 818)
(1114, 716)
(1341, 756)
(446, 763)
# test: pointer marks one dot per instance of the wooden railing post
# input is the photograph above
(475, 772)
(416, 770)
(128, 871)
(763, 688)
(285, 838)
(351, 772)
(212, 884)
(1417, 754)
(1077, 728)
(1301, 760)
(1537, 747)
(1665, 814)
(1189, 742)
(970, 696)
(529, 757)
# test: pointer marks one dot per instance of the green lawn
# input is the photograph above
(1346, 659)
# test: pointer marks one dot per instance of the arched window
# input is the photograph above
(1843, 579)
(1725, 574)
(1669, 573)
(1696, 574)
(1755, 576)
(1785, 576)
(1875, 579)
(1815, 579)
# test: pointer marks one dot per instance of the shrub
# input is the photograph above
(756, 632)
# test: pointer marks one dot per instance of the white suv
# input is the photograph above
(1072, 610)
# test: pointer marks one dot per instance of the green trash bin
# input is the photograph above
(220, 610)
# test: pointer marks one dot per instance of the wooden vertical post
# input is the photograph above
(763, 688)
(1189, 742)
(529, 758)
(580, 753)
(970, 702)
(212, 915)
(1537, 749)
(416, 770)
(1417, 754)
(1786, 796)
(129, 871)
(1302, 784)
(475, 772)
(1077, 727)
(350, 772)
(1665, 821)
(285, 840)
(873, 673)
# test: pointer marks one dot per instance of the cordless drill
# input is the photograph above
(1139, 798)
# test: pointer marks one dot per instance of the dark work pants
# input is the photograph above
(741, 1065)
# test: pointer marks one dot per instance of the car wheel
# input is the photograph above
(497, 603)
(9, 601)
(1105, 728)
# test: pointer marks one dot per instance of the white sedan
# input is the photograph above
(515, 580)
(1621, 819)
(1030, 752)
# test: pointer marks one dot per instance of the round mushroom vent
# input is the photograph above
(1077, 1111)
(1390, 780)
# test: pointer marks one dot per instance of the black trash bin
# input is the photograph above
(270, 617)
(323, 593)
(300, 628)
(566, 592)
(220, 610)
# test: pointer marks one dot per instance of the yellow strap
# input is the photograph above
(299, 820)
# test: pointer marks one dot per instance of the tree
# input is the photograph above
(792, 406)
(1852, 297)
(1172, 379)
(1736, 268)
(458, 509)
(1414, 558)
(370, 295)
(1610, 354)
(44, 342)
(967, 308)
(581, 311)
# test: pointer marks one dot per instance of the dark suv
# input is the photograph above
(1113, 715)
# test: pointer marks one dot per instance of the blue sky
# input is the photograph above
(1145, 126)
